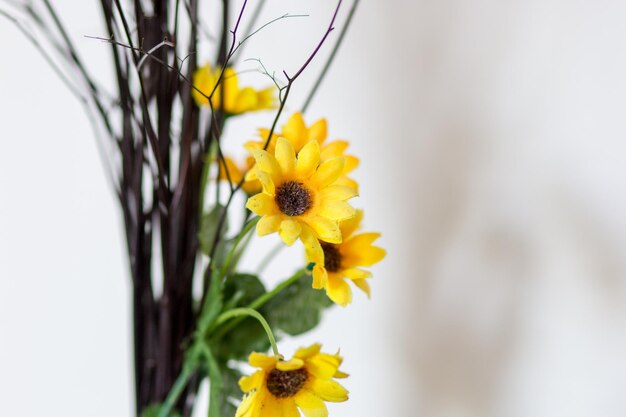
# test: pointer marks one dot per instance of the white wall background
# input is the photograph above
(491, 136)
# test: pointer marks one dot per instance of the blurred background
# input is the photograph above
(491, 137)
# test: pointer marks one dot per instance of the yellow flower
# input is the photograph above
(335, 262)
(236, 173)
(237, 100)
(300, 198)
(296, 131)
(279, 388)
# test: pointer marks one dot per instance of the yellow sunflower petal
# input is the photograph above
(251, 174)
(325, 229)
(323, 365)
(266, 182)
(266, 98)
(312, 247)
(333, 149)
(202, 79)
(362, 240)
(310, 404)
(340, 374)
(364, 286)
(271, 407)
(266, 162)
(328, 171)
(352, 162)
(289, 408)
(358, 250)
(286, 156)
(268, 224)
(336, 210)
(329, 390)
(348, 227)
(246, 100)
(249, 406)
(262, 204)
(248, 383)
(337, 192)
(308, 159)
(318, 131)
(338, 290)
(231, 88)
(230, 170)
(320, 277)
(355, 273)
(263, 135)
(252, 187)
(289, 231)
(347, 182)
(260, 360)
(295, 130)
(290, 365)
(308, 352)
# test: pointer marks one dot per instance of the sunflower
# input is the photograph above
(237, 100)
(336, 262)
(299, 197)
(279, 388)
(297, 132)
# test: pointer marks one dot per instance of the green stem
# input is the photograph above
(245, 311)
(176, 391)
(259, 302)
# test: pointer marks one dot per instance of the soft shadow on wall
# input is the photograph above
(513, 114)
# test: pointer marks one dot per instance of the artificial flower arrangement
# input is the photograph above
(164, 127)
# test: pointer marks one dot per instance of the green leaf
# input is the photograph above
(247, 337)
(242, 289)
(153, 411)
(297, 309)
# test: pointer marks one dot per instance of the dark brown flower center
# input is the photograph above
(292, 198)
(332, 257)
(284, 384)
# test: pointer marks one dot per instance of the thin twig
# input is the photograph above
(152, 50)
(254, 18)
(331, 58)
(285, 16)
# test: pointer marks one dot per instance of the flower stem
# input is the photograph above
(245, 311)
(260, 301)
